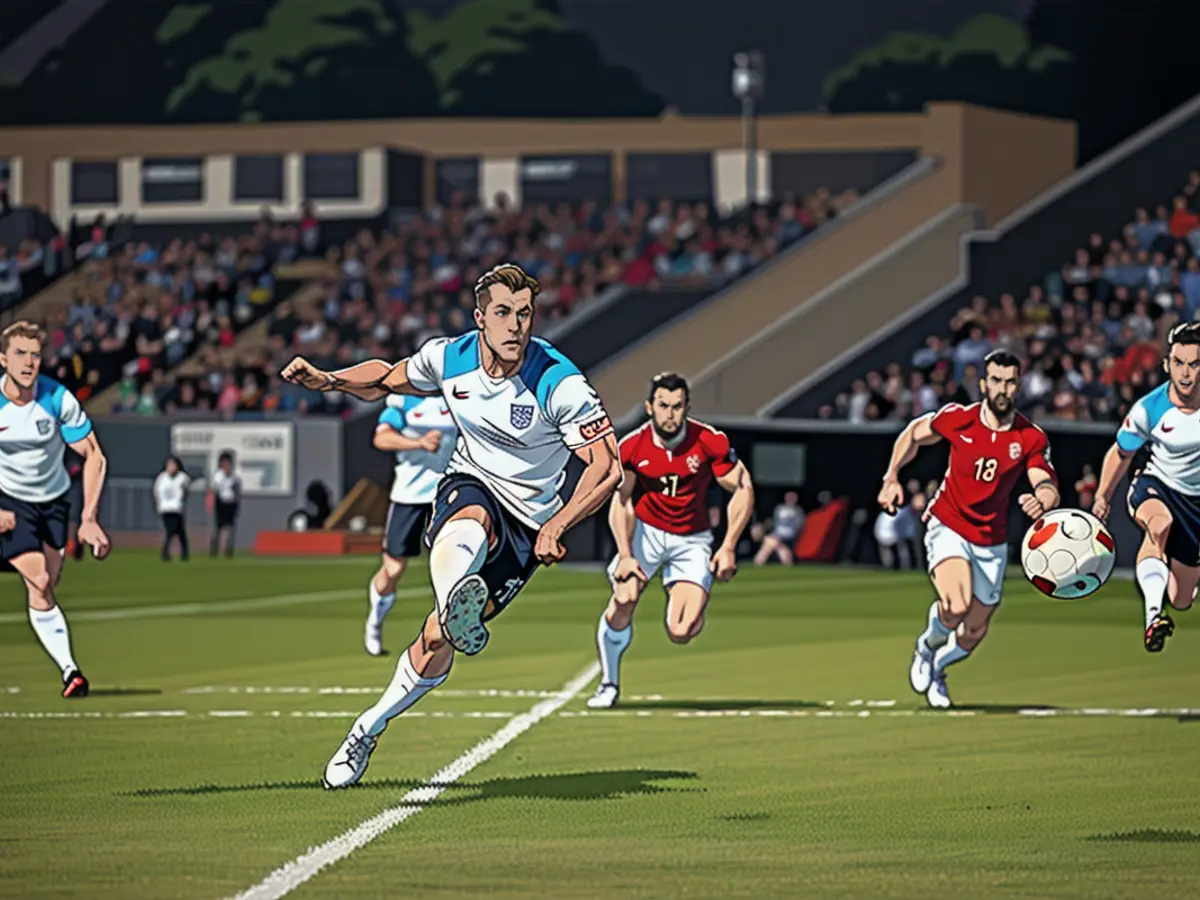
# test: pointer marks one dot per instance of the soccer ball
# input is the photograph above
(1068, 554)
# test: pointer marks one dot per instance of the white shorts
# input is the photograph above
(680, 557)
(987, 563)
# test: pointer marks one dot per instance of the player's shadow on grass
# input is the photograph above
(1005, 709)
(714, 705)
(1148, 836)
(124, 692)
(601, 785)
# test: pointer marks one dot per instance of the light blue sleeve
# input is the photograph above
(1143, 417)
(73, 423)
(392, 416)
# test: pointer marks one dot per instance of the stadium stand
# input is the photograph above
(33, 253)
(1058, 278)
(1091, 331)
(746, 344)
(385, 293)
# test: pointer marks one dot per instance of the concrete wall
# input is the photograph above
(819, 330)
(37, 154)
(137, 448)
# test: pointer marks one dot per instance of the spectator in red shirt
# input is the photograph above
(1183, 220)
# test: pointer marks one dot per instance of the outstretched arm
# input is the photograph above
(916, 434)
(373, 379)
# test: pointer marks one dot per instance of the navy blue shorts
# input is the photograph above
(405, 524)
(1183, 541)
(511, 562)
(38, 525)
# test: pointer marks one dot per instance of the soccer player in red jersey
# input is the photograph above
(966, 537)
(659, 519)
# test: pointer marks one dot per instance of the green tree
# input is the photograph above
(309, 59)
(94, 78)
(520, 58)
(988, 60)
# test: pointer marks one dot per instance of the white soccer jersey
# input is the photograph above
(418, 471)
(516, 434)
(33, 439)
(1173, 436)
(228, 488)
(170, 492)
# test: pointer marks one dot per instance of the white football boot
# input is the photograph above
(937, 696)
(920, 673)
(462, 619)
(605, 697)
(373, 640)
(347, 765)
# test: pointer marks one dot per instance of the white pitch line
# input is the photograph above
(613, 713)
(506, 693)
(295, 873)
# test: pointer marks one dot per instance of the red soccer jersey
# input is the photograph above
(985, 466)
(672, 484)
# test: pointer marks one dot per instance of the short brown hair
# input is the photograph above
(669, 381)
(511, 276)
(21, 329)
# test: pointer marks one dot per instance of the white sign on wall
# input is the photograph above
(262, 452)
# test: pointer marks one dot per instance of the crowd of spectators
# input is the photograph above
(388, 292)
(1091, 333)
(140, 308)
(27, 263)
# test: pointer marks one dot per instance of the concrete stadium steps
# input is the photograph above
(816, 333)
(734, 317)
(1020, 246)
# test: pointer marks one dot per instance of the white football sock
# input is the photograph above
(1152, 575)
(407, 688)
(948, 656)
(459, 550)
(50, 626)
(935, 634)
(612, 644)
(381, 605)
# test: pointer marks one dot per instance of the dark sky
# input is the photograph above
(683, 49)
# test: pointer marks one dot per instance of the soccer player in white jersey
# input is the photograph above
(1164, 495)
(421, 432)
(522, 409)
(39, 419)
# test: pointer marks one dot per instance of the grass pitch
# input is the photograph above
(781, 755)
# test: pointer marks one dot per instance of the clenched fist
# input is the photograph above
(300, 371)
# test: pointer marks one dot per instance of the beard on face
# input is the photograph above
(1000, 405)
(665, 433)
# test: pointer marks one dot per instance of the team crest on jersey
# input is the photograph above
(43, 427)
(693, 462)
(521, 415)
(1014, 450)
